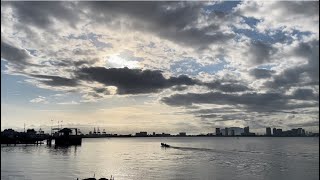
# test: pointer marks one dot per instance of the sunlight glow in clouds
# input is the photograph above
(193, 65)
(115, 61)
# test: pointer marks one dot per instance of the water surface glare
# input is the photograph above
(202, 158)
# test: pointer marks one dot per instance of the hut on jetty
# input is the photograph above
(66, 137)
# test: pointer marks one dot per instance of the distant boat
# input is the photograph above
(165, 145)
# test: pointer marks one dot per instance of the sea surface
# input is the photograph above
(216, 158)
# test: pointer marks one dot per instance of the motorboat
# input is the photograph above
(165, 145)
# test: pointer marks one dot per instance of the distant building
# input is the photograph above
(274, 131)
(182, 134)
(218, 133)
(246, 130)
(232, 133)
(294, 132)
(279, 132)
(237, 130)
(142, 134)
(226, 131)
(268, 131)
(165, 134)
(154, 133)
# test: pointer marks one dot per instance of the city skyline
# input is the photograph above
(160, 66)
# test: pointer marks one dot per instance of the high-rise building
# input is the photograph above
(246, 130)
(218, 133)
(274, 131)
(268, 131)
(237, 130)
(226, 131)
(279, 132)
(232, 132)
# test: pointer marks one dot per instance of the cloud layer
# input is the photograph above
(249, 56)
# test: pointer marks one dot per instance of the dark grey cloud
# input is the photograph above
(175, 21)
(221, 98)
(259, 102)
(227, 86)
(305, 94)
(43, 14)
(207, 115)
(309, 8)
(171, 20)
(261, 73)
(132, 81)
(17, 56)
(56, 80)
(69, 62)
(302, 74)
(260, 52)
(102, 91)
(137, 81)
(179, 88)
(305, 124)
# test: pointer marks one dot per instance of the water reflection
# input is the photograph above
(143, 158)
(63, 150)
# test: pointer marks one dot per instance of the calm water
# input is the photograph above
(202, 158)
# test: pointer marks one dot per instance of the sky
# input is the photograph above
(160, 66)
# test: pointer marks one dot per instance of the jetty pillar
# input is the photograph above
(49, 141)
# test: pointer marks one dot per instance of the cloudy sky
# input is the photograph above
(160, 66)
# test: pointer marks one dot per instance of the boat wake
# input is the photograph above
(213, 150)
(191, 148)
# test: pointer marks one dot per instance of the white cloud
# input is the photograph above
(68, 103)
(284, 15)
(39, 99)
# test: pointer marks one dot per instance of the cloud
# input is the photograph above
(258, 102)
(194, 48)
(14, 55)
(300, 74)
(285, 15)
(261, 73)
(260, 52)
(305, 94)
(39, 99)
(137, 81)
(56, 80)
(185, 23)
(68, 103)
(132, 81)
(44, 14)
(226, 86)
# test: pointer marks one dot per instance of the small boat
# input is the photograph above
(165, 145)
